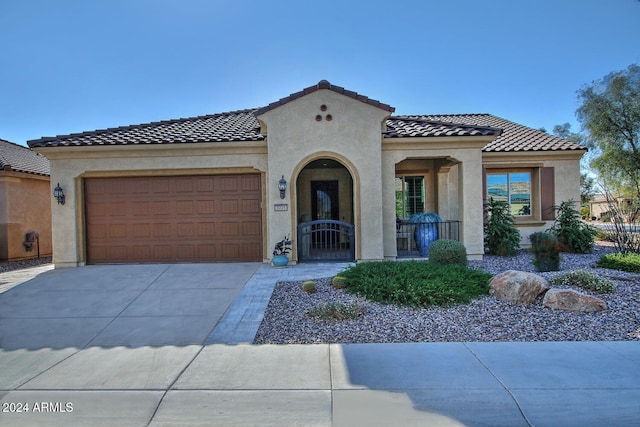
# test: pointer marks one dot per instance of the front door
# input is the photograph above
(324, 200)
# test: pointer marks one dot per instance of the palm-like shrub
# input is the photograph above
(501, 237)
(574, 235)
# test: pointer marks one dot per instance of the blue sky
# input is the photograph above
(75, 65)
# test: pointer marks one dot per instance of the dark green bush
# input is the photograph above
(546, 251)
(574, 235)
(415, 283)
(625, 262)
(585, 280)
(447, 252)
(501, 236)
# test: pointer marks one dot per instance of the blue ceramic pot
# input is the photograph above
(280, 260)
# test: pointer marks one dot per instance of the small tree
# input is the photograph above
(573, 234)
(610, 114)
(501, 236)
(624, 233)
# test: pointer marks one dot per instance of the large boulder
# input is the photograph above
(568, 299)
(518, 287)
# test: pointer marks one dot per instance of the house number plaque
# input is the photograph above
(281, 207)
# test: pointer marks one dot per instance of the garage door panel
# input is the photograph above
(170, 219)
(251, 228)
(205, 207)
(160, 208)
(184, 207)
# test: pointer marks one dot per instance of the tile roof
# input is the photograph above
(324, 84)
(243, 126)
(231, 126)
(421, 127)
(514, 138)
(20, 159)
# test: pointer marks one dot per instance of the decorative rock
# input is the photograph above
(568, 299)
(518, 287)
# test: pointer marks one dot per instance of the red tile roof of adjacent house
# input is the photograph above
(20, 159)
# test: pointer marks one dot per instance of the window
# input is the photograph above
(409, 195)
(513, 188)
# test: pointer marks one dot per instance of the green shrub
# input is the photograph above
(625, 262)
(447, 252)
(572, 233)
(501, 236)
(605, 236)
(546, 251)
(584, 212)
(309, 287)
(336, 311)
(415, 283)
(338, 282)
(585, 280)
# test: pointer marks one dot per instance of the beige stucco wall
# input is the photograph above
(25, 206)
(69, 165)
(297, 133)
(352, 137)
(566, 181)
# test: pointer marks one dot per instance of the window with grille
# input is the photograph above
(409, 195)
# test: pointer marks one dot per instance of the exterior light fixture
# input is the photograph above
(282, 186)
(58, 194)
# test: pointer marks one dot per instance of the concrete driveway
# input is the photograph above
(120, 305)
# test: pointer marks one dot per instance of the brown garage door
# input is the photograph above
(173, 219)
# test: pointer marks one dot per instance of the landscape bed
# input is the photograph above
(287, 319)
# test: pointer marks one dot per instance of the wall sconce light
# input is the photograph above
(59, 194)
(282, 186)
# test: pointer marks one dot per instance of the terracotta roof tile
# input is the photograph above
(404, 127)
(20, 159)
(324, 84)
(231, 126)
(243, 126)
(515, 137)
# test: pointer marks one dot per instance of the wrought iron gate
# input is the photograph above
(326, 240)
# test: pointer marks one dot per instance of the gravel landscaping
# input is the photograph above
(485, 319)
(25, 263)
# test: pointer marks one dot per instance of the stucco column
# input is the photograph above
(279, 211)
(443, 192)
(470, 201)
(64, 220)
(388, 206)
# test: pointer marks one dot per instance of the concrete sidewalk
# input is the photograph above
(434, 384)
(138, 353)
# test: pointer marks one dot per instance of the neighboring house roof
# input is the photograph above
(243, 126)
(20, 159)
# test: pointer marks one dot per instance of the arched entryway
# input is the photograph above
(325, 212)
